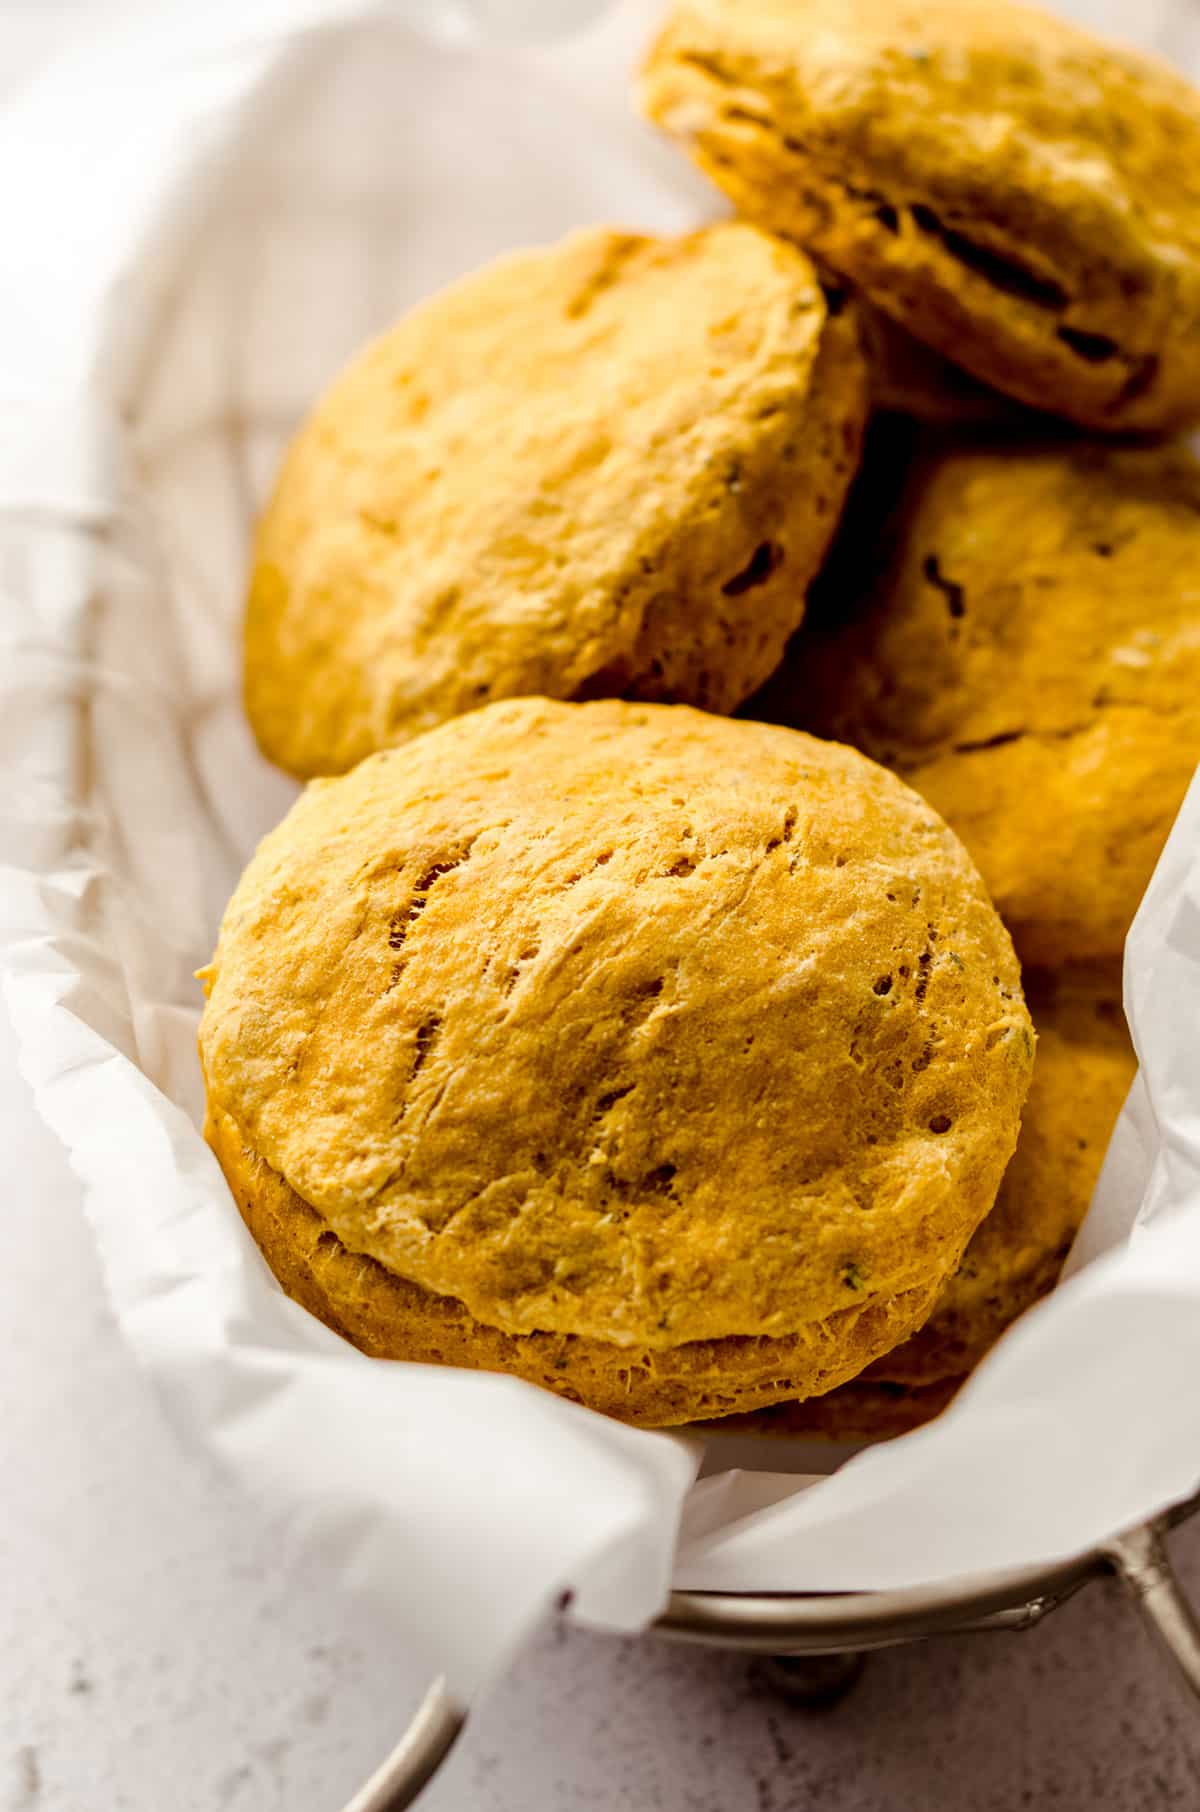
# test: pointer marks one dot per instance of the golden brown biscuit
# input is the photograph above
(1085, 1064)
(607, 468)
(1029, 660)
(1014, 191)
(689, 1052)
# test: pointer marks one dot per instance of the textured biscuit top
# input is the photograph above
(606, 468)
(1017, 192)
(1030, 661)
(624, 1021)
(1085, 1064)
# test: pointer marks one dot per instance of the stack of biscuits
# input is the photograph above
(744, 682)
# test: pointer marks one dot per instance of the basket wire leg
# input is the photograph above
(417, 1756)
(1141, 1561)
(816, 1681)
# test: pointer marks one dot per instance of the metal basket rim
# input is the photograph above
(770, 1621)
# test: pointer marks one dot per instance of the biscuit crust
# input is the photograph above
(628, 1023)
(1029, 660)
(862, 1410)
(1016, 192)
(387, 1317)
(1085, 1065)
(606, 468)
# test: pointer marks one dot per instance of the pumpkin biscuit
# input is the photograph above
(606, 468)
(1085, 1065)
(1016, 192)
(1029, 660)
(665, 1059)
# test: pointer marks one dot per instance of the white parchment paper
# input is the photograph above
(203, 215)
